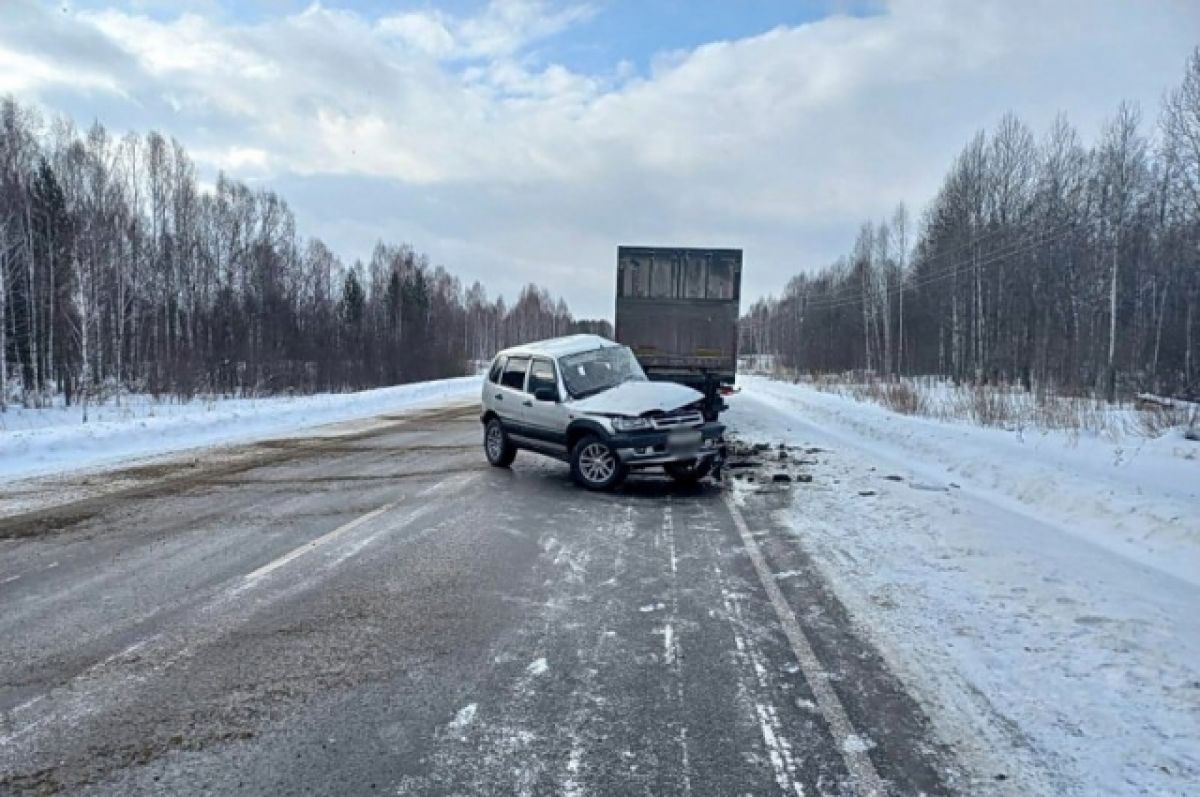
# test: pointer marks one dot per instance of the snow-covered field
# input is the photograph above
(1039, 593)
(55, 440)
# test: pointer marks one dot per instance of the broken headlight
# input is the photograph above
(630, 424)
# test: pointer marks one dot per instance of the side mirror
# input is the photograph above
(546, 394)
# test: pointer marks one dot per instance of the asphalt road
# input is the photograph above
(384, 613)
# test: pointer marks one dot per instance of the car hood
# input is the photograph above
(635, 398)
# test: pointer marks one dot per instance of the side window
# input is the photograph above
(542, 375)
(514, 373)
(497, 369)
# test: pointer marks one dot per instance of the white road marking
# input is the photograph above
(779, 748)
(71, 702)
(857, 761)
(312, 545)
(415, 514)
(89, 672)
(671, 652)
(433, 488)
(10, 579)
(121, 654)
(28, 703)
(162, 643)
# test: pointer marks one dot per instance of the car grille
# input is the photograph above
(677, 420)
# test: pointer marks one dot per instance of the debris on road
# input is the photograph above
(748, 463)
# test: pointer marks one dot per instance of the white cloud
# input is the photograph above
(22, 73)
(510, 169)
(244, 161)
(427, 31)
(507, 26)
(502, 29)
(188, 46)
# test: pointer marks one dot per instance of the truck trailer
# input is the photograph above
(677, 309)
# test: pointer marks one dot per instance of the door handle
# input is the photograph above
(527, 403)
(499, 397)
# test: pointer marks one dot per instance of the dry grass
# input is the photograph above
(1155, 421)
(1008, 406)
(897, 396)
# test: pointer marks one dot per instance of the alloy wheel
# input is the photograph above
(597, 463)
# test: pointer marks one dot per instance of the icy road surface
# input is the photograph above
(384, 612)
(381, 612)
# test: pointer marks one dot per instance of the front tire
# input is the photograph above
(499, 449)
(689, 472)
(595, 465)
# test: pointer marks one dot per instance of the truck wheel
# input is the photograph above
(688, 472)
(499, 449)
(595, 465)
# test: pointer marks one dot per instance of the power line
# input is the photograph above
(1004, 253)
(941, 256)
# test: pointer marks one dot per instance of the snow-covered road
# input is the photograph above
(383, 612)
(1039, 596)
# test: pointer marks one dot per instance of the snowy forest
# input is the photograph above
(1042, 261)
(119, 271)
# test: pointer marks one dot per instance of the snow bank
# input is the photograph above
(1139, 497)
(37, 442)
(1029, 611)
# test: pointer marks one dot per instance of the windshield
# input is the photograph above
(590, 372)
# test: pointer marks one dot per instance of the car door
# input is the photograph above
(546, 420)
(509, 396)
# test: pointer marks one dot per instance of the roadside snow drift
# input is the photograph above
(55, 440)
(1037, 594)
(1137, 496)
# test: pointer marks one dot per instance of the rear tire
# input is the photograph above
(595, 465)
(689, 472)
(499, 449)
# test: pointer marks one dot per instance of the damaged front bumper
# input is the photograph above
(656, 447)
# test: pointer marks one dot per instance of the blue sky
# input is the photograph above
(617, 30)
(627, 30)
(519, 140)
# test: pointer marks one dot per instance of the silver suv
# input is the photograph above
(585, 400)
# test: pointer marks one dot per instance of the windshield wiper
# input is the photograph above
(593, 391)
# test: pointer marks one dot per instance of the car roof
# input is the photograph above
(560, 347)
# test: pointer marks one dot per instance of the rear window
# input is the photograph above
(514, 373)
(497, 367)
